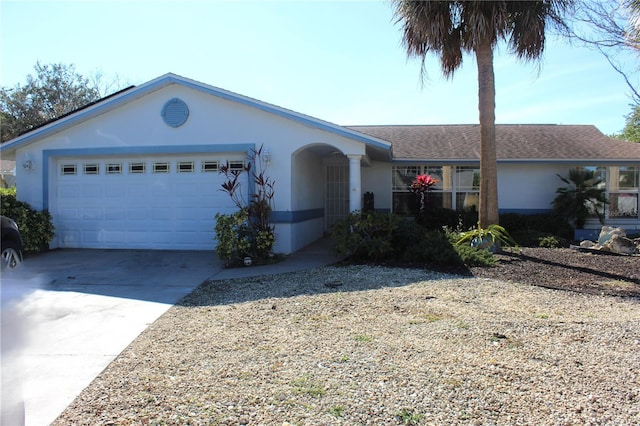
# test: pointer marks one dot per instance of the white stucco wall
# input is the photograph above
(530, 186)
(377, 179)
(307, 181)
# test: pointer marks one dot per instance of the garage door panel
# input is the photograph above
(114, 190)
(91, 237)
(92, 191)
(91, 215)
(146, 210)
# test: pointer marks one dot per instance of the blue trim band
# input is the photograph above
(136, 150)
(296, 216)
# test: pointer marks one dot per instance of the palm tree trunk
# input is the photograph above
(488, 209)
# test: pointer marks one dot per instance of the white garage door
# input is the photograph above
(164, 202)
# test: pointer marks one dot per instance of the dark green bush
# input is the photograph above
(436, 218)
(366, 236)
(386, 237)
(549, 241)
(36, 227)
(433, 248)
(407, 235)
(472, 256)
(528, 229)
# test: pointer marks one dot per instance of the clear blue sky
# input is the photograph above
(340, 61)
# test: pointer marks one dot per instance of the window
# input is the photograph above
(624, 189)
(403, 176)
(161, 167)
(209, 166)
(185, 167)
(467, 188)
(91, 169)
(405, 202)
(236, 165)
(68, 169)
(114, 168)
(600, 173)
(136, 168)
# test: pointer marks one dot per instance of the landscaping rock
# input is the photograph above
(619, 244)
(607, 232)
(613, 240)
(588, 244)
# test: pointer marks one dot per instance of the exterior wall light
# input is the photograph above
(27, 162)
(266, 158)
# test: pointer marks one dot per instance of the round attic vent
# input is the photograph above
(175, 112)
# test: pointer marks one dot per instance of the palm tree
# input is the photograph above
(451, 28)
(583, 196)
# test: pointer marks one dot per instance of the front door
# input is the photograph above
(337, 193)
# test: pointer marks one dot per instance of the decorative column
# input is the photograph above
(355, 185)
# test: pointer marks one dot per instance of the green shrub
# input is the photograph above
(233, 235)
(373, 236)
(472, 256)
(433, 248)
(366, 236)
(435, 218)
(407, 235)
(36, 227)
(248, 232)
(549, 242)
(528, 229)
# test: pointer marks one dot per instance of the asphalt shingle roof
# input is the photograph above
(538, 142)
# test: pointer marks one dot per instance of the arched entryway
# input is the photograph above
(325, 187)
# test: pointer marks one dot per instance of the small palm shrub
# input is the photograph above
(491, 237)
(583, 196)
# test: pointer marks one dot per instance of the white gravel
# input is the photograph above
(366, 345)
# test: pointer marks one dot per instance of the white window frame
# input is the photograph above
(236, 164)
(134, 165)
(210, 166)
(68, 169)
(161, 167)
(91, 168)
(113, 168)
(186, 166)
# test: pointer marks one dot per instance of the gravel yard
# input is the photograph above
(358, 345)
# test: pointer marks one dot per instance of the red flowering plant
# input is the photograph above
(421, 186)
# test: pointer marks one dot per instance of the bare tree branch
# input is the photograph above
(612, 27)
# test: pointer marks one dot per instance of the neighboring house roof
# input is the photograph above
(135, 92)
(525, 142)
(7, 167)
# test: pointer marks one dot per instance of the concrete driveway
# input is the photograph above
(68, 313)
